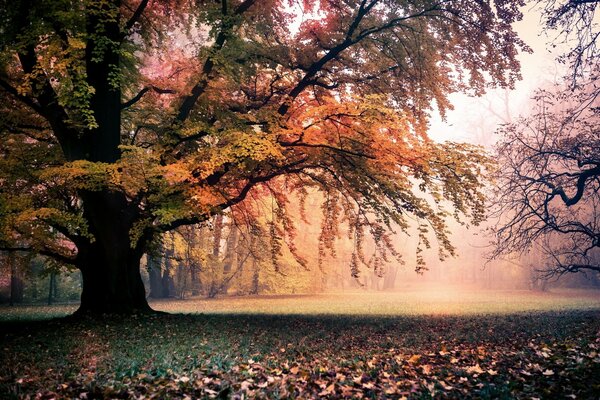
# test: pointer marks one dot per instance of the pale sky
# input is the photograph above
(475, 119)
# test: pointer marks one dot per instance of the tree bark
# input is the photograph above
(110, 265)
(112, 282)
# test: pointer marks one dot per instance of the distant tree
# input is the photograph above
(15, 265)
(123, 119)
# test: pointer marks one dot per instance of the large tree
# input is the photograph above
(123, 119)
(547, 196)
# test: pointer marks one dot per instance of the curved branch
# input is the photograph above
(583, 177)
(190, 101)
(326, 146)
(141, 94)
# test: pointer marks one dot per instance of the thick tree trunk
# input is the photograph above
(110, 265)
(112, 282)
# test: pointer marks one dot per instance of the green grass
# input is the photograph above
(371, 345)
(418, 300)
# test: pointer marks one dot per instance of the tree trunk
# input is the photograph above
(51, 288)
(112, 282)
(255, 277)
(168, 285)
(110, 265)
(196, 283)
(16, 282)
(231, 251)
(389, 279)
(191, 235)
(154, 274)
(217, 234)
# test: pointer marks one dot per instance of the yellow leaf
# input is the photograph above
(414, 359)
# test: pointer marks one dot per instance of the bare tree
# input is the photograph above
(572, 22)
(549, 182)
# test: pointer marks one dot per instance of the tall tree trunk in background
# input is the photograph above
(154, 265)
(231, 250)
(215, 282)
(51, 288)
(231, 256)
(217, 235)
(182, 274)
(194, 278)
(193, 241)
(254, 289)
(389, 279)
(167, 283)
(16, 282)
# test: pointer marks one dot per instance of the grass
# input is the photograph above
(417, 300)
(442, 344)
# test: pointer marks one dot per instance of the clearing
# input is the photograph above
(442, 343)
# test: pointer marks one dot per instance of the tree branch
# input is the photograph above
(142, 92)
(326, 146)
(189, 101)
(294, 167)
(45, 252)
(24, 99)
(136, 15)
(583, 177)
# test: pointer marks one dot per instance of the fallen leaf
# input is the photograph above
(414, 359)
(548, 372)
(475, 369)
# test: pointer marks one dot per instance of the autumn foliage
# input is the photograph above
(123, 119)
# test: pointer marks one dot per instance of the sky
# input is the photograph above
(474, 120)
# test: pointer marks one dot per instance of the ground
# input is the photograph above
(440, 344)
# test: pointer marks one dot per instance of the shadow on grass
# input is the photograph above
(118, 353)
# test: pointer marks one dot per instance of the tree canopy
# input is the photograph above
(124, 119)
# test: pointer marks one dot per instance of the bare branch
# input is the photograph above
(142, 92)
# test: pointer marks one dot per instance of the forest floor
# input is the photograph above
(442, 344)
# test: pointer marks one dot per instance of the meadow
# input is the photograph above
(440, 343)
